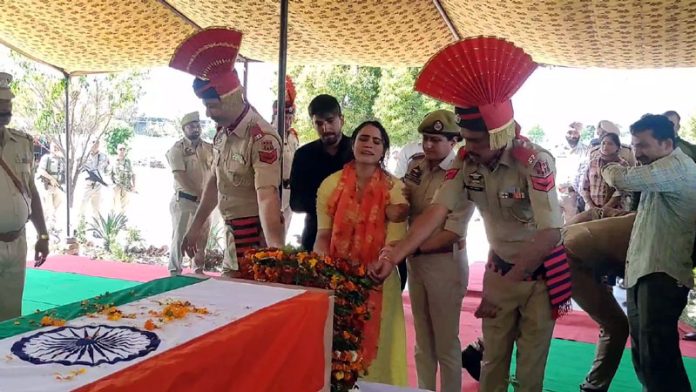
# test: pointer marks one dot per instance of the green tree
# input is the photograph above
(588, 133)
(354, 87)
(117, 136)
(688, 131)
(399, 107)
(98, 103)
(536, 134)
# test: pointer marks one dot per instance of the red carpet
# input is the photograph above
(106, 269)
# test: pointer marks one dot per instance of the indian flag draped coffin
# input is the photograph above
(218, 336)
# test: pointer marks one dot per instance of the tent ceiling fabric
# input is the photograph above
(365, 32)
(83, 36)
(587, 33)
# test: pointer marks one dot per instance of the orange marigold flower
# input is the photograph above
(150, 325)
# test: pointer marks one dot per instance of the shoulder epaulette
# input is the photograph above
(21, 134)
(461, 153)
(256, 132)
(524, 152)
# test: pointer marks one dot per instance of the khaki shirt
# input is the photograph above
(516, 199)
(246, 158)
(195, 161)
(16, 149)
(422, 183)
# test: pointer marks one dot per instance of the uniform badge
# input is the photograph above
(414, 175)
(542, 177)
(450, 174)
(437, 125)
(268, 157)
(267, 145)
(256, 133)
(237, 157)
(475, 182)
(189, 151)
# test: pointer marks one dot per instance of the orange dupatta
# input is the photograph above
(358, 232)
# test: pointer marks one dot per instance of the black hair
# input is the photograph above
(383, 134)
(672, 113)
(614, 138)
(662, 129)
(470, 119)
(209, 93)
(324, 104)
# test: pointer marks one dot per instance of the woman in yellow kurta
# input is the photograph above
(360, 209)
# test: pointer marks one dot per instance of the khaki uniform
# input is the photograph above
(196, 162)
(437, 283)
(290, 146)
(91, 196)
(16, 149)
(52, 196)
(246, 158)
(122, 178)
(594, 249)
(515, 200)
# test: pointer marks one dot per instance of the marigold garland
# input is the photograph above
(351, 287)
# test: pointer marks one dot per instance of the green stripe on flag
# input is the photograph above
(78, 309)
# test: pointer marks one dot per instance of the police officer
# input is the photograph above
(625, 151)
(439, 271)
(51, 173)
(96, 166)
(512, 183)
(191, 161)
(20, 203)
(290, 144)
(247, 151)
(123, 178)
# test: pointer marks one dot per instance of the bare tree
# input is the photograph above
(96, 103)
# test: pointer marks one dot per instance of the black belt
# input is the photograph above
(184, 195)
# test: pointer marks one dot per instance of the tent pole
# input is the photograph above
(68, 179)
(246, 79)
(282, 64)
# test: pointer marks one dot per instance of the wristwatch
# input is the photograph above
(44, 237)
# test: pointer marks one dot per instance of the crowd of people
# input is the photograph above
(624, 211)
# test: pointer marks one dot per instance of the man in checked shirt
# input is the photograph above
(658, 263)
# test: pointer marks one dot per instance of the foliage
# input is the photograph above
(588, 133)
(354, 87)
(116, 136)
(107, 229)
(399, 107)
(215, 238)
(97, 104)
(536, 134)
(688, 131)
(81, 232)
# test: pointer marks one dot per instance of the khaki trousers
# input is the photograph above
(183, 211)
(524, 319)
(594, 248)
(13, 258)
(51, 200)
(121, 198)
(437, 285)
(91, 198)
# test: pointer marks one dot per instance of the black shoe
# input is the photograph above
(471, 361)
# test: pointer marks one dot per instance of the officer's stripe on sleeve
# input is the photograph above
(543, 184)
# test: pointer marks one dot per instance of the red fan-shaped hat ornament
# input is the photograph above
(209, 55)
(482, 73)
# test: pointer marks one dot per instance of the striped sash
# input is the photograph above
(247, 233)
(558, 281)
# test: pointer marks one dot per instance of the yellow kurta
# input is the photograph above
(389, 367)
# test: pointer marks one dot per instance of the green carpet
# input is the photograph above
(47, 289)
(569, 362)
